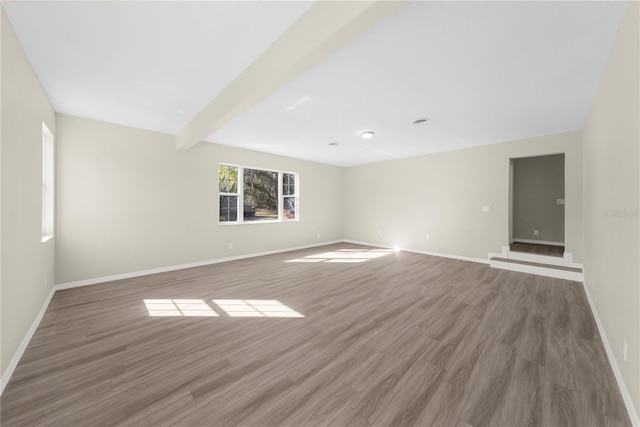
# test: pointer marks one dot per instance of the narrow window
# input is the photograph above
(47, 184)
(289, 196)
(228, 186)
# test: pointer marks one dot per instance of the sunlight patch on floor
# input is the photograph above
(169, 307)
(179, 307)
(255, 308)
(345, 256)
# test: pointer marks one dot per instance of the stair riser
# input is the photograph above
(566, 261)
(520, 256)
(541, 271)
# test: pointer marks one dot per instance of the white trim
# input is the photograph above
(450, 256)
(105, 279)
(539, 242)
(566, 260)
(240, 195)
(631, 410)
(48, 184)
(540, 271)
(542, 259)
(25, 342)
(133, 274)
(418, 251)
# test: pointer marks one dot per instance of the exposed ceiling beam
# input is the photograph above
(325, 28)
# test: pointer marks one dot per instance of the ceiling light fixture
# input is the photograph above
(367, 134)
(420, 121)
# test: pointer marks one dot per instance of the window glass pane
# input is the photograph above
(260, 195)
(288, 184)
(228, 179)
(47, 183)
(289, 208)
(228, 208)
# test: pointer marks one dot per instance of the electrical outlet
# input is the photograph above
(485, 209)
(318, 235)
(536, 232)
(624, 350)
(378, 232)
(428, 237)
(230, 245)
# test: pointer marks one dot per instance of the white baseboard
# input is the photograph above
(418, 251)
(130, 275)
(538, 270)
(542, 259)
(25, 342)
(133, 274)
(631, 410)
(539, 242)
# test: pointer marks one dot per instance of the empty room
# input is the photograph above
(306, 213)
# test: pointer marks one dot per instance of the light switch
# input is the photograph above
(559, 201)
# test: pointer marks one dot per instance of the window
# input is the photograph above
(228, 186)
(47, 184)
(261, 195)
(289, 195)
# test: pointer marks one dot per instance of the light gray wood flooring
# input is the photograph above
(382, 339)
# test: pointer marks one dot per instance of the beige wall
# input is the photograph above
(538, 183)
(27, 264)
(129, 201)
(611, 200)
(442, 195)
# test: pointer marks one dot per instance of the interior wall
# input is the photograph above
(538, 184)
(27, 264)
(611, 200)
(129, 201)
(434, 203)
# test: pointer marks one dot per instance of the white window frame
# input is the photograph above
(293, 196)
(48, 184)
(240, 195)
(239, 185)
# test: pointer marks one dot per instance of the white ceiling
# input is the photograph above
(151, 65)
(483, 72)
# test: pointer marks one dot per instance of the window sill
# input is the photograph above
(226, 223)
(46, 238)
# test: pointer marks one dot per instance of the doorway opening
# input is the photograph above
(536, 205)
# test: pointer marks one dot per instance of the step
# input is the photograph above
(566, 260)
(541, 269)
(537, 258)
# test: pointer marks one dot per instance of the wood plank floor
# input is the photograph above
(538, 249)
(387, 339)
